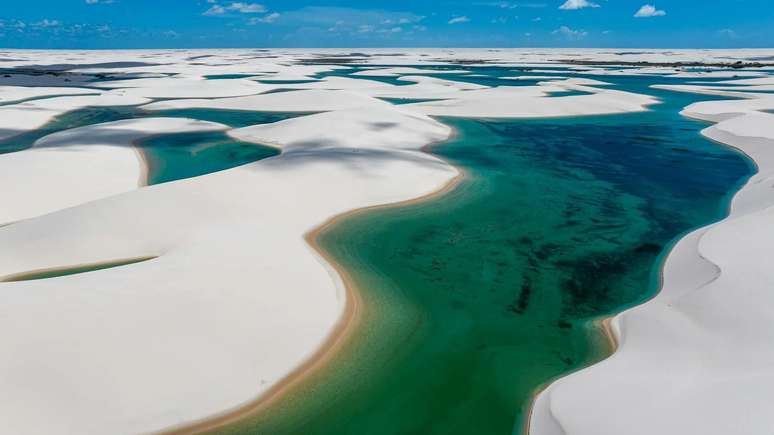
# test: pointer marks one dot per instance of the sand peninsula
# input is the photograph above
(232, 298)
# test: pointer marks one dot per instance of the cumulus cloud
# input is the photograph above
(94, 2)
(571, 5)
(391, 30)
(347, 19)
(648, 11)
(569, 33)
(510, 5)
(458, 20)
(240, 7)
(46, 23)
(266, 19)
(19, 26)
(247, 8)
(214, 11)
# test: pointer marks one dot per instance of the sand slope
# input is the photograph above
(696, 359)
(80, 165)
(234, 300)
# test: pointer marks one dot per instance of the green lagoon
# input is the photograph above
(475, 299)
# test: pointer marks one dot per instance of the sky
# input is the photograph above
(104, 24)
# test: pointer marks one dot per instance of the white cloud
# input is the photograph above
(648, 11)
(457, 20)
(219, 10)
(214, 11)
(355, 22)
(94, 2)
(247, 8)
(510, 5)
(266, 19)
(571, 5)
(326, 16)
(46, 23)
(570, 33)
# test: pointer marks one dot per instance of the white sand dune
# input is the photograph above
(84, 164)
(335, 83)
(696, 359)
(517, 102)
(291, 101)
(234, 298)
(365, 128)
(459, 99)
(170, 87)
(732, 92)
(15, 94)
(198, 335)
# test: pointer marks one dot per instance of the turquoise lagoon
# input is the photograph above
(476, 299)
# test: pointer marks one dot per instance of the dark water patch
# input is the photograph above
(184, 155)
(285, 82)
(72, 270)
(66, 121)
(399, 101)
(568, 93)
(101, 77)
(228, 76)
(47, 78)
(279, 91)
(61, 67)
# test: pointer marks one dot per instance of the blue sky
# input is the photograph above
(381, 23)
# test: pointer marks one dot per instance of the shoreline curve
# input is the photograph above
(341, 333)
